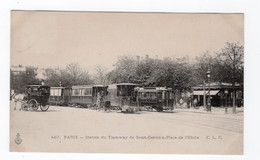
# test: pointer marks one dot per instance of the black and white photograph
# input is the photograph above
(127, 82)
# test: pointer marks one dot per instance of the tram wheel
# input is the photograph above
(44, 108)
(159, 109)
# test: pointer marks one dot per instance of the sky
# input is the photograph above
(49, 39)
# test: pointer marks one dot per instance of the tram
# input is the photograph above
(122, 94)
(86, 95)
(60, 96)
(158, 98)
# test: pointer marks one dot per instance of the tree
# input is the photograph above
(152, 72)
(100, 75)
(77, 76)
(232, 56)
(71, 75)
(52, 77)
(20, 80)
(124, 70)
(203, 63)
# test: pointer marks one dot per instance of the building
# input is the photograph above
(220, 94)
(16, 70)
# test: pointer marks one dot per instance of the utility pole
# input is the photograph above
(233, 80)
(204, 95)
(226, 93)
(209, 100)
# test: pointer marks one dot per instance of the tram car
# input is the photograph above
(158, 98)
(122, 96)
(60, 96)
(86, 95)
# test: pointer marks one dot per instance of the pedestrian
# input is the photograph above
(188, 103)
(195, 101)
(99, 100)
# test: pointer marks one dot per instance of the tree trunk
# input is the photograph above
(234, 100)
(204, 95)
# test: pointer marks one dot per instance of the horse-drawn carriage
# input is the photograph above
(36, 96)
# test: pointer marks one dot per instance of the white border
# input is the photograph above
(251, 8)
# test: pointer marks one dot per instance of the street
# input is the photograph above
(181, 131)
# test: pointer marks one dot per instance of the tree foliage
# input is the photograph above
(227, 65)
(231, 63)
(100, 75)
(71, 75)
(152, 72)
(20, 80)
(182, 73)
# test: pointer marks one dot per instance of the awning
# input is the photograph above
(212, 92)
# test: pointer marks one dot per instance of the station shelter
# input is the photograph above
(220, 94)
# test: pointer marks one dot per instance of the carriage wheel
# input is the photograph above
(24, 107)
(44, 108)
(33, 104)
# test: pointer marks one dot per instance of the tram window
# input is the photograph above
(109, 93)
(121, 91)
(166, 95)
(125, 91)
(58, 93)
(75, 92)
(163, 95)
(87, 91)
(171, 95)
(130, 91)
(159, 94)
(153, 95)
(114, 92)
(81, 91)
(52, 92)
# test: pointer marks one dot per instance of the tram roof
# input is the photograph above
(58, 87)
(87, 86)
(149, 89)
(126, 84)
(37, 86)
(112, 86)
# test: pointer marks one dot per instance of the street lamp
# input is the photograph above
(226, 93)
(233, 78)
(209, 103)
